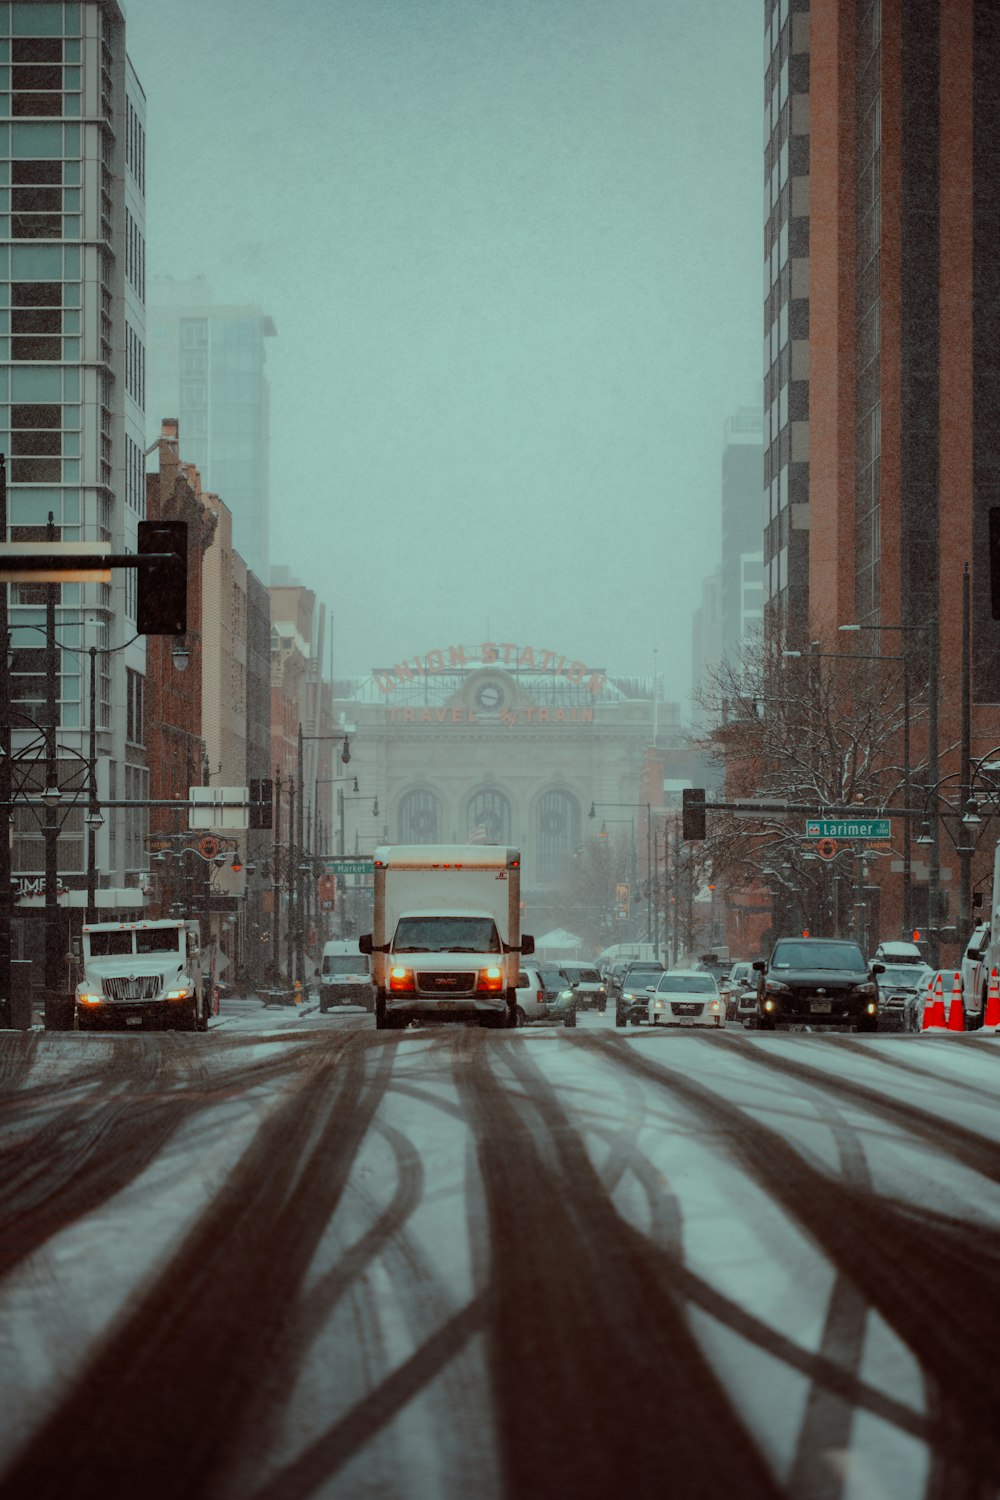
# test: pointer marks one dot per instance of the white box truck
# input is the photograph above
(446, 941)
(142, 973)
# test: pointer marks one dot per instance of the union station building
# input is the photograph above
(501, 743)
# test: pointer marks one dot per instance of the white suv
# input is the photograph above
(535, 1003)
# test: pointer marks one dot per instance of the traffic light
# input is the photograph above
(261, 802)
(161, 594)
(693, 812)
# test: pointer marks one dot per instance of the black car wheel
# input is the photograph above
(620, 1020)
(765, 1023)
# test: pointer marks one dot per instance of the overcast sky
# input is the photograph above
(512, 249)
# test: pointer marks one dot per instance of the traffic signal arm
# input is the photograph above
(161, 562)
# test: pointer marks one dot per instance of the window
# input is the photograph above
(135, 684)
(487, 819)
(420, 818)
(557, 833)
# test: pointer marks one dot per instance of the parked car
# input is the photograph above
(632, 1001)
(739, 982)
(818, 981)
(899, 953)
(591, 993)
(975, 972)
(535, 1002)
(686, 997)
(902, 989)
(616, 974)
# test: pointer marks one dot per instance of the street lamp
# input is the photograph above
(649, 853)
(930, 630)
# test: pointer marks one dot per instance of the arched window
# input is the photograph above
(558, 834)
(488, 819)
(420, 818)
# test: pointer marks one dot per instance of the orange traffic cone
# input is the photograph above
(934, 1007)
(991, 1020)
(956, 1011)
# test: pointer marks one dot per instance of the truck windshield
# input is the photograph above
(158, 940)
(107, 944)
(446, 935)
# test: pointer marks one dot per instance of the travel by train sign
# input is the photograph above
(849, 828)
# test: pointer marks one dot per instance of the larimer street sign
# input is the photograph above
(848, 828)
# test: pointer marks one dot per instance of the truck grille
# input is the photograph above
(136, 987)
(446, 984)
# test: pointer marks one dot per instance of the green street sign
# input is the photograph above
(848, 828)
(347, 866)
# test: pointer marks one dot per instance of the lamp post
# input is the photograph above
(649, 852)
(903, 658)
(342, 738)
(930, 630)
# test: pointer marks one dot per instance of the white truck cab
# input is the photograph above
(138, 974)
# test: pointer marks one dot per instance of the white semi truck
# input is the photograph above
(138, 974)
(446, 941)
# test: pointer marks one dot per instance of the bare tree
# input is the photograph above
(821, 731)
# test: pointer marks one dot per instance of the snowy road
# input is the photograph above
(300, 1258)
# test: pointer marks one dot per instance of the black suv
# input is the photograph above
(820, 981)
(631, 1001)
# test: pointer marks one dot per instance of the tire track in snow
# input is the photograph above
(905, 1262)
(176, 1375)
(584, 1337)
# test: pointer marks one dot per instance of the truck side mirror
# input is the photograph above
(527, 944)
(878, 968)
(760, 964)
(365, 943)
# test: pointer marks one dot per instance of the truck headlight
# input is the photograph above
(89, 999)
(490, 980)
(401, 981)
(178, 994)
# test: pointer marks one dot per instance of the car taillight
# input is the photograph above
(540, 997)
(401, 981)
(490, 980)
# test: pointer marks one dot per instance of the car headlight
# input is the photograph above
(715, 1005)
(867, 989)
(775, 987)
(659, 1005)
(565, 994)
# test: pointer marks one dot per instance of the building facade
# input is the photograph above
(72, 415)
(887, 115)
(207, 364)
(500, 743)
(788, 246)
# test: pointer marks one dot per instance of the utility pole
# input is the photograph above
(58, 1016)
(276, 879)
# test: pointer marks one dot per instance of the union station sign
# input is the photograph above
(490, 653)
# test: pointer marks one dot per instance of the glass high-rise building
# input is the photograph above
(72, 398)
(207, 368)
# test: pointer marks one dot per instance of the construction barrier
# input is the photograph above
(991, 1019)
(934, 1017)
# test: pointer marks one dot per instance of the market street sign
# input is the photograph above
(356, 866)
(848, 828)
